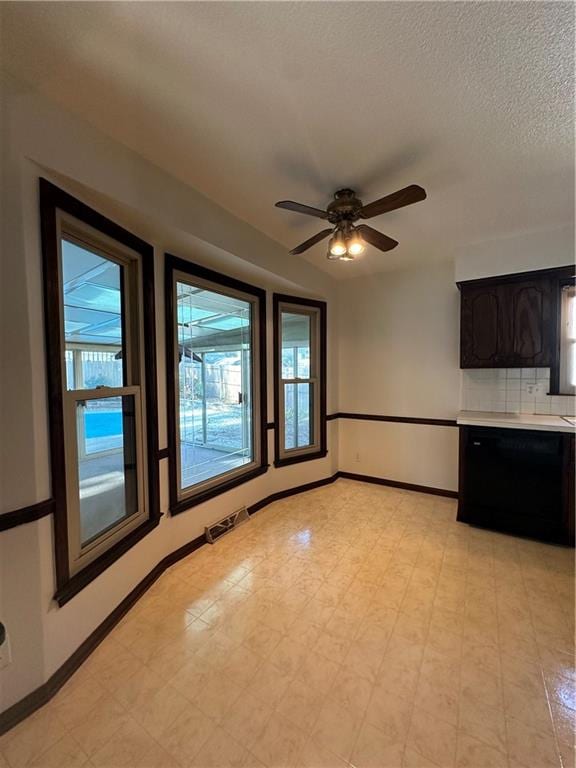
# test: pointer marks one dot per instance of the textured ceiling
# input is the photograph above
(255, 102)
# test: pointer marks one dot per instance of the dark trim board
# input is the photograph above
(42, 695)
(291, 492)
(36, 511)
(398, 484)
(396, 419)
(26, 514)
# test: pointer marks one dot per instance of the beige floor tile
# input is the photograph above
(374, 750)
(73, 703)
(138, 689)
(186, 734)
(390, 713)
(433, 738)
(479, 685)
(220, 751)
(31, 737)
(337, 729)
(421, 642)
(472, 753)
(246, 720)
(531, 710)
(413, 759)
(529, 748)
(350, 691)
(132, 747)
(318, 671)
(268, 684)
(483, 722)
(66, 753)
(217, 696)
(312, 755)
(564, 720)
(159, 710)
(280, 743)
(102, 722)
(300, 704)
(439, 697)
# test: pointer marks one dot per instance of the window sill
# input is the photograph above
(298, 459)
(193, 501)
(81, 579)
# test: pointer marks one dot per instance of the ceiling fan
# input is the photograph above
(347, 238)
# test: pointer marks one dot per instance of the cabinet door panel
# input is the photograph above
(480, 323)
(530, 327)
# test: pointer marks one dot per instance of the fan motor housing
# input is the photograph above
(345, 206)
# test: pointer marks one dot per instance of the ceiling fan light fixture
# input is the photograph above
(355, 244)
(337, 245)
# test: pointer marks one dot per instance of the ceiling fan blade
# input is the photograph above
(406, 196)
(290, 205)
(310, 242)
(375, 238)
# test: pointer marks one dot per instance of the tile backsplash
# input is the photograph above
(513, 390)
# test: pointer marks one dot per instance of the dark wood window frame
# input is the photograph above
(563, 277)
(52, 200)
(174, 264)
(278, 299)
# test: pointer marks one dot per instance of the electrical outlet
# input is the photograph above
(5, 650)
(357, 459)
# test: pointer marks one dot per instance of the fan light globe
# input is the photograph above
(355, 245)
(337, 245)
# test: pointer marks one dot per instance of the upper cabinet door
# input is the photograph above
(506, 324)
(529, 331)
(481, 319)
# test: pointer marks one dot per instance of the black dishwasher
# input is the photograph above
(513, 480)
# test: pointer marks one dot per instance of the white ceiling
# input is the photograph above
(256, 102)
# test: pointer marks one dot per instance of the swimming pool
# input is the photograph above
(102, 423)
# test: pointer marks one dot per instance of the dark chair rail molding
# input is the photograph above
(42, 508)
(36, 699)
(26, 514)
(394, 419)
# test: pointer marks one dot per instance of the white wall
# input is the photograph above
(518, 253)
(398, 351)
(40, 139)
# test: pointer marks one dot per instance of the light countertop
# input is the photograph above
(517, 421)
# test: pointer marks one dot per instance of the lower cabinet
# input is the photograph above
(518, 481)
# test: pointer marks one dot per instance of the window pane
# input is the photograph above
(107, 474)
(295, 345)
(214, 383)
(568, 340)
(92, 299)
(298, 415)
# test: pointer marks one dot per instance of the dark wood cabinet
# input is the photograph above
(507, 322)
(519, 481)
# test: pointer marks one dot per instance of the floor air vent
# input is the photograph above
(218, 529)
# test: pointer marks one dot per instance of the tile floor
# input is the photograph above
(350, 626)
